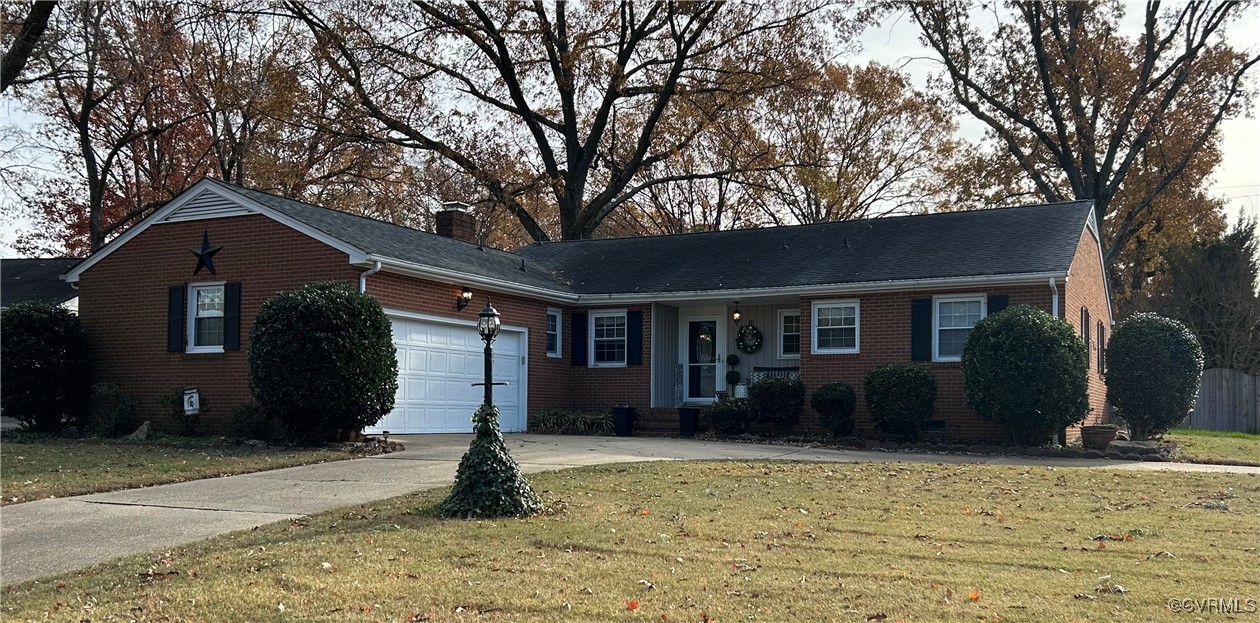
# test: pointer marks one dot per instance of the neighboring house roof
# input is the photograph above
(1028, 240)
(386, 240)
(36, 280)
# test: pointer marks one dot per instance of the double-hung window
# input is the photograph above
(608, 339)
(553, 333)
(206, 307)
(836, 327)
(954, 318)
(789, 334)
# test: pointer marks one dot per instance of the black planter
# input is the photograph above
(688, 421)
(623, 421)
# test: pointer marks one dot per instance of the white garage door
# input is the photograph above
(437, 365)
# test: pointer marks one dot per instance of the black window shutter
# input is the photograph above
(232, 316)
(997, 303)
(921, 329)
(577, 333)
(175, 319)
(634, 338)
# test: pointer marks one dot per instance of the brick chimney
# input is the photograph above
(454, 221)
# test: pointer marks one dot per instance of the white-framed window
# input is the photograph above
(553, 333)
(837, 327)
(206, 306)
(789, 334)
(952, 320)
(608, 339)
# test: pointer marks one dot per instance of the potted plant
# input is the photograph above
(688, 421)
(623, 420)
(1096, 437)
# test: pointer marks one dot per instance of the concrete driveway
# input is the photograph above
(53, 536)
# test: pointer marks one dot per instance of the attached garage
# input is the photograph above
(438, 362)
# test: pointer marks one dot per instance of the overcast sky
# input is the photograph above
(896, 43)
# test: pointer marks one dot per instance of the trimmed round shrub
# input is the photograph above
(777, 401)
(900, 397)
(1153, 369)
(729, 417)
(835, 404)
(321, 360)
(44, 363)
(1027, 370)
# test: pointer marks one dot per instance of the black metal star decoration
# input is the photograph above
(205, 256)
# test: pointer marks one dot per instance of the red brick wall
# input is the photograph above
(885, 338)
(1087, 289)
(549, 377)
(123, 300)
(602, 388)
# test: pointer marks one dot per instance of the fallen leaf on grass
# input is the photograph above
(632, 605)
(973, 595)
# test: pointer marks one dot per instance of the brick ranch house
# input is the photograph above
(643, 321)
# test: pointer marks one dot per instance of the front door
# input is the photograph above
(702, 357)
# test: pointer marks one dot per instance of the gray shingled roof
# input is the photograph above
(36, 280)
(1004, 241)
(409, 245)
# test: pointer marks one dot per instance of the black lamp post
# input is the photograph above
(488, 326)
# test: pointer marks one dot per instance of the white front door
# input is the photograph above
(701, 355)
(438, 363)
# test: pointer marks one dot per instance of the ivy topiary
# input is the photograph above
(321, 360)
(489, 483)
(777, 401)
(900, 397)
(44, 363)
(1027, 370)
(1153, 369)
(835, 404)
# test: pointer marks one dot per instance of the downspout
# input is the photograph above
(1054, 309)
(376, 268)
(1054, 304)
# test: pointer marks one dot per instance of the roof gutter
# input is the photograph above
(838, 288)
(443, 276)
(500, 285)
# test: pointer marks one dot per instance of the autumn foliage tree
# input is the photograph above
(1081, 110)
(142, 100)
(561, 113)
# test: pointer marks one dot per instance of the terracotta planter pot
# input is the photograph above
(1097, 437)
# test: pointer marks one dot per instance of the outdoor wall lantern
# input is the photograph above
(735, 315)
(465, 297)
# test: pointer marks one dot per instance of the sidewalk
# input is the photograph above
(53, 536)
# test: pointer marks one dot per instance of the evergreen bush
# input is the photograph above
(321, 360)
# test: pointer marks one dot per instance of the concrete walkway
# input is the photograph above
(53, 536)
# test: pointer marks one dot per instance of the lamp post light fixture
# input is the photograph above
(488, 327)
(464, 298)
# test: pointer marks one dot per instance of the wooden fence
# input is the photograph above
(1229, 400)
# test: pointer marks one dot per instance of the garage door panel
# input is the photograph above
(438, 363)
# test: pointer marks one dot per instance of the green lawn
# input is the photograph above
(33, 468)
(1207, 446)
(719, 541)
